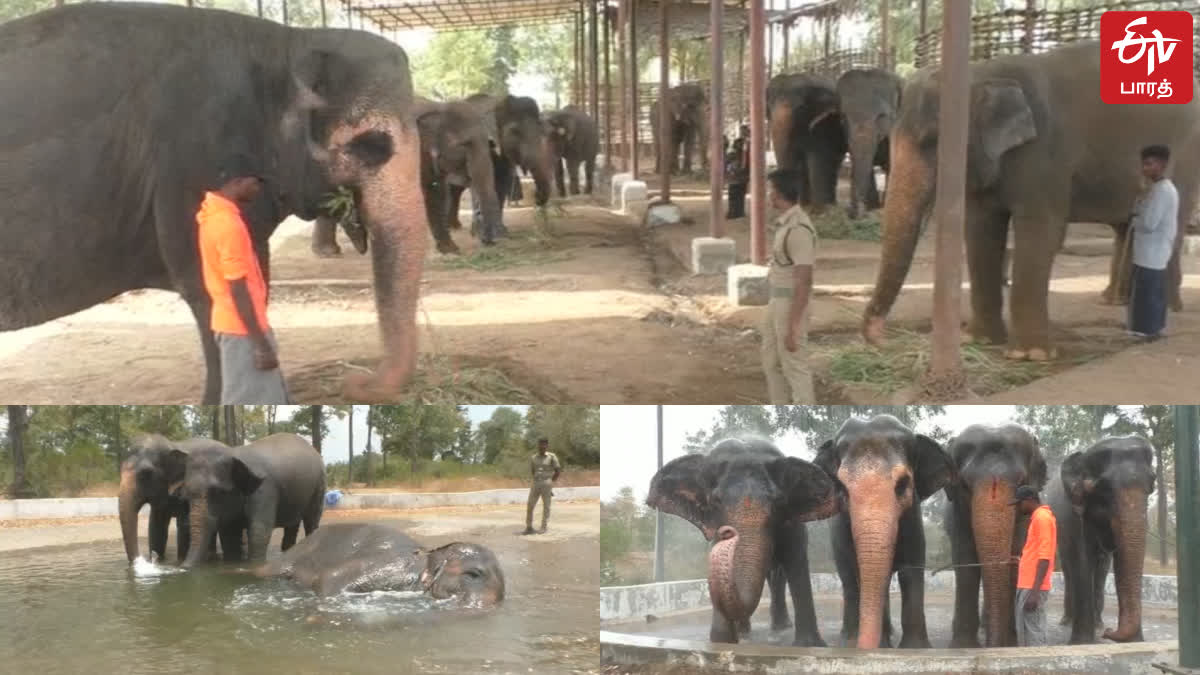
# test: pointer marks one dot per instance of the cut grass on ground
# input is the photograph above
(440, 380)
(520, 248)
(834, 223)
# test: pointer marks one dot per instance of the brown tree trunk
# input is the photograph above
(370, 457)
(18, 421)
(271, 410)
(350, 447)
(229, 422)
(316, 427)
(116, 436)
(216, 422)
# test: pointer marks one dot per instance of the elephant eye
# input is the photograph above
(902, 485)
(474, 574)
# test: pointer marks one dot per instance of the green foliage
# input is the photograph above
(572, 431)
(342, 207)
(834, 223)
(416, 432)
(455, 65)
(501, 435)
(545, 51)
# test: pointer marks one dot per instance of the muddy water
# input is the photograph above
(81, 609)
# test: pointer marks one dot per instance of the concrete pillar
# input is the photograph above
(747, 285)
(712, 256)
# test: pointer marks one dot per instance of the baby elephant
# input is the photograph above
(365, 557)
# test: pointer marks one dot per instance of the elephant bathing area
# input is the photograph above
(583, 304)
(70, 603)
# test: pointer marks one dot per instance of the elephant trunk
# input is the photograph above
(543, 170)
(737, 567)
(780, 119)
(993, 522)
(874, 525)
(1129, 528)
(863, 144)
(393, 208)
(200, 525)
(910, 192)
(128, 505)
(483, 188)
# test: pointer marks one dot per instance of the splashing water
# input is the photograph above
(143, 567)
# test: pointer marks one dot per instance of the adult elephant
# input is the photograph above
(1100, 506)
(153, 469)
(803, 112)
(454, 153)
(324, 237)
(520, 143)
(276, 481)
(687, 106)
(869, 99)
(575, 140)
(985, 531)
(366, 557)
(752, 502)
(1033, 164)
(119, 117)
(882, 472)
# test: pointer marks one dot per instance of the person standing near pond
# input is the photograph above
(790, 280)
(1035, 566)
(1154, 226)
(237, 289)
(545, 469)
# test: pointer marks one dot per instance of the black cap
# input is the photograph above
(239, 165)
(1025, 492)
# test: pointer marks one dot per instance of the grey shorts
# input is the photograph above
(241, 382)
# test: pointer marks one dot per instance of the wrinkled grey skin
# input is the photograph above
(276, 481)
(1099, 503)
(324, 239)
(117, 117)
(365, 557)
(807, 134)
(454, 155)
(688, 105)
(869, 99)
(575, 140)
(991, 462)
(156, 465)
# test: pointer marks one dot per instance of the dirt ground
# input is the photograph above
(597, 311)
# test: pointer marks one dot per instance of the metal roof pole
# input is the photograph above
(771, 45)
(260, 9)
(608, 144)
(633, 90)
(716, 114)
(885, 52)
(665, 147)
(577, 86)
(594, 82)
(622, 67)
(758, 146)
(324, 18)
(1187, 529)
(945, 363)
(283, 4)
(787, 29)
(741, 110)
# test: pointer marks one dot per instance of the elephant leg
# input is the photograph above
(324, 237)
(183, 535)
(559, 178)
(1038, 237)
(846, 560)
(987, 239)
(437, 204)
(452, 220)
(231, 541)
(289, 536)
(819, 180)
(1067, 583)
(777, 584)
(912, 609)
(873, 201)
(160, 519)
(805, 187)
(722, 629)
(1098, 579)
(965, 625)
(689, 140)
(589, 174)
(1082, 558)
(799, 582)
(573, 167)
(259, 538)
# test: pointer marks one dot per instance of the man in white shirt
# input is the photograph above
(1155, 224)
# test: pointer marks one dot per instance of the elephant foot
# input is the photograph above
(1108, 297)
(987, 332)
(872, 330)
(965, 642)
(455, 224)
(915, 642)
(808, 640)
(1065, 621)
(327, 251)
(1128, 636)
(1032, 354)
(781, 624)
(447, 246)
(743, 627)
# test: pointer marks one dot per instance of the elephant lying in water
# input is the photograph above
(365, 557)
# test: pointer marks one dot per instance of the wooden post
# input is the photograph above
(260, 9)
(758, 162)
(285, 11)
(716, 109)
(633, 90)
(945, 365)
(1030, 24)
(770, 28)
(1187, 529)
(576, 85)
(324, 18)
(594, 78)
(608, 144)
(665, 146)
(622, 67)
(741, 59)
(885, 53)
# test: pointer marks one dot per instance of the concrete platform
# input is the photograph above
(747, 285)
(713, 256)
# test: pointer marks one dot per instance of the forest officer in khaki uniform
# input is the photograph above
(790, 277)
(545, 469)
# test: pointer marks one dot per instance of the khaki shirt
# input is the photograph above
(795, 243)
(544, 467)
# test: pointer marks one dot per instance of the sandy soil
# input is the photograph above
(605, 313)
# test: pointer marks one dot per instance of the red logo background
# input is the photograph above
(1118, 80)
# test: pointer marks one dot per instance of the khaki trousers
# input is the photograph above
(545, 492)
(789, 378)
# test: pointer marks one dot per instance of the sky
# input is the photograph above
(628, 440)
(333, 447)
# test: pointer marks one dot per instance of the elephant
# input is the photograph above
(575, 140)
(807, 134)
(276, 481)
(991, 462)
(366, 557)
(154, 467)
(688, 106)
(324, 237)
(119, 116)
(869, 99)
(1100, 507)
(1043, 151)
(454, 152)
(881, 471)
(751, 502)
(520, 143)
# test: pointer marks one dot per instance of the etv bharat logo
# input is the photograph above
(1162, 40)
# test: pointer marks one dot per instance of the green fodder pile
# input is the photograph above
(834, 223)
(536, 246)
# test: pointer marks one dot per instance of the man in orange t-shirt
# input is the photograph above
(238, 290)
(1034, 567)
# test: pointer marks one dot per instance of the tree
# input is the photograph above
(18, 421)
(419, 432)
(350, 446)
(454, 65)
(573, 431)
(313, 421)
(505, 59)
(498, 432)
(546, 52)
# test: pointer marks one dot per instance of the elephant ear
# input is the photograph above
(827, 459)
(682, 488)
(245, 479)
(1076, 480)
(1037, 469)
(174, 464)
(808, 490)
(933, 468)
(1003, 120)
